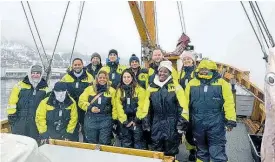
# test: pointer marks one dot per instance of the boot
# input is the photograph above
(192, 155)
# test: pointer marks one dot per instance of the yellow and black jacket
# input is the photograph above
(211, 95)
(22, 105)
(114, 72)
(76, 85)
(185, 75)
(106, 103)
(130, 107)
(167, 109)
(55, 119)
(142, 77)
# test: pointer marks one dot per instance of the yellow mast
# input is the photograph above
(149, 16)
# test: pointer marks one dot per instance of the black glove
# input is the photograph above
(12, 118)
(146, 124)
(137, 120)
(44, 135)
(115, 127)
(230, 124)
(182, 124)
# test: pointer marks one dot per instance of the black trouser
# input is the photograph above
(189, 138)
(132, 137)
(98, 129)
(81, 115)
(170, 147)
(25, 126)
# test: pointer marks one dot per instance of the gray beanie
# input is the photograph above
(96, 55)
(36, 68)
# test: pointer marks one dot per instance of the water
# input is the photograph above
(6, 87)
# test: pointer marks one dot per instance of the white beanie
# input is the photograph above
(167, 64)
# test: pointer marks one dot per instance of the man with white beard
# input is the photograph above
(24, 100)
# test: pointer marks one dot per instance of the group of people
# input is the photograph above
(143, 108)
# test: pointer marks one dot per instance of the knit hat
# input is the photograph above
(96, 55)
(113, 51)
(60, 86)
(167, 64)
(36, 68)
(187, 54)
(133, 58)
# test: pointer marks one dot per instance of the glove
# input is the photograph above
(146, 124)
(44, 135)
(230, 124)
(182, 125)
(12, 118)
(44, 138)
(115, 127)
(137, 121)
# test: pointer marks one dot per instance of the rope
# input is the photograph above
(37, 32)
(49, 70)
(180, 17)
(265, 26)
(262, 48)
(79, 20)
(32, 34)
(257, 17)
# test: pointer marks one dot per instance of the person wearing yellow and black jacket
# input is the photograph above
(157, 57)
(129, 103)
(56, 115)
(141, 74)
(77, 80)
(185, 75)
(212, 109)
(98, 101)
(168, 111)
(113, 68)
(24, 100)
(95, 64)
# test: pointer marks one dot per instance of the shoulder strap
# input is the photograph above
(96, 97)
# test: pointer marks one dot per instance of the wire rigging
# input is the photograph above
(78, 24)
(32, 35)
(37, 31)
(49, 68)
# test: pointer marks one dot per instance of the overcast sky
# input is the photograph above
(219, 30)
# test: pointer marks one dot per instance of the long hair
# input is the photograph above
(133, 84)
(95, 82)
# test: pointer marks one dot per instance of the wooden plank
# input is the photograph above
(113, 149)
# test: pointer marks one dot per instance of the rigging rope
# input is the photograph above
(78, 24)
(180, 16)
(256, 16)
(49, 68)
(33, 35)
(37, 32)
(262, 48)
(265, 26)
